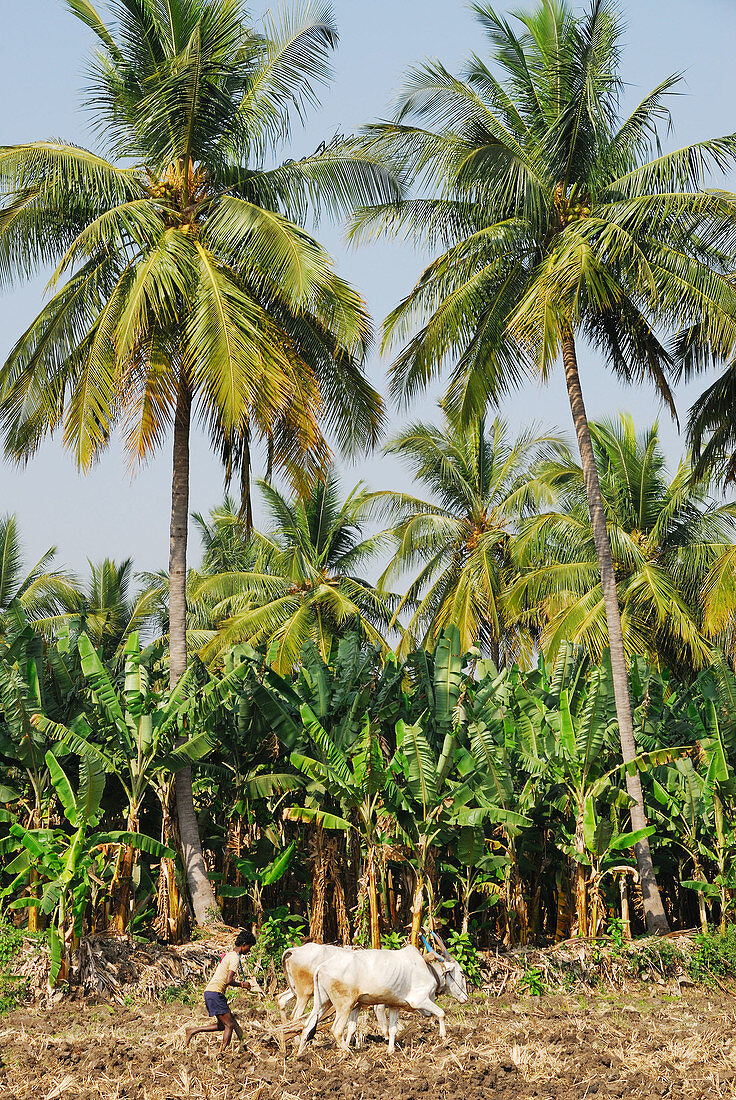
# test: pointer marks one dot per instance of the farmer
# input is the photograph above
(214, 995)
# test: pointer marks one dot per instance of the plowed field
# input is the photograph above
(639, 1044)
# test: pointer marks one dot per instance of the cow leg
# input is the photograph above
(432, 1009)
(380, 1011)
(342, 1016)
(282, 1001)
(393, 1023)
(352, 1025)
(301, 1004)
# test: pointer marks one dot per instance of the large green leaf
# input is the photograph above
(279, 714)
(100, 682)
(133, 840)
(63, 788)
(629, 840)
(422, 767)
(567, 726)
(321, 817)
(448, 666)
(333, 755)
(280, 865)
(471, 845)
(91, 788)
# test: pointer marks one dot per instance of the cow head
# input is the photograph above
(452, 979)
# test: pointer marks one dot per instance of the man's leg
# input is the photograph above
(229, 1025)
(214, 1025)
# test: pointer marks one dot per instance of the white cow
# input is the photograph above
(397, 979)
(300, 964)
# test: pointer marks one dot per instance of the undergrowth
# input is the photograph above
(13, 989)
(281, 929)
(714, 953)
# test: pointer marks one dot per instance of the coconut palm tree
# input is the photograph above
(555, 226)
(481, 485)
(666, 535)
(183, 286)
(299, 580)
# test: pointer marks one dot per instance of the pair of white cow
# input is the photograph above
(351, 979)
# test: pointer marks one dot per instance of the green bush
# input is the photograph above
(392, 941)
(532, 982)
(280, 930)
(13, 989)
(11, 941)
(461, 947)
(715, 953)
(657, 957)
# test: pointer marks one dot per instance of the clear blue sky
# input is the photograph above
(43, 53)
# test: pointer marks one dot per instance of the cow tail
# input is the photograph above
(319, 1000)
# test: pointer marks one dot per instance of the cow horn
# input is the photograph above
(440, 943)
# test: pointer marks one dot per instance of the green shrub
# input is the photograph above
(11, 941)
(280, 930)
(461, 947)
(13, 989)
(180, 994)
(657, 957)
(13, 992)
(715, 953)
(392, 941)
(532, 982)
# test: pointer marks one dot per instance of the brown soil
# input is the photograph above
(640, 1044)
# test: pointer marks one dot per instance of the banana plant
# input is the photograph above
(719, 788)
(504, 760)
(67, 863)
(140, 734)
(359, 782)
(681, 808)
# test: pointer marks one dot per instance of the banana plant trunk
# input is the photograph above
(699, 875)
(123, 881)
(416, 908)
(373, 900)
(202, 896)
(581, 886)
(623, 889)
(654, 913)
(34, 911)
(721, 853)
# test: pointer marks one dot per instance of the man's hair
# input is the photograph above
(245, 938)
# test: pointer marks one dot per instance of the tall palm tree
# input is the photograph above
(300, 580)
(667, 535)
(184, 286)
(556, 226)
(481, 485)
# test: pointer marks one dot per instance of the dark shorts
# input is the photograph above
(216, 1004)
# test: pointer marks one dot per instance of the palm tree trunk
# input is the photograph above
(654, 913)
(246, 495)
(204, 902)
